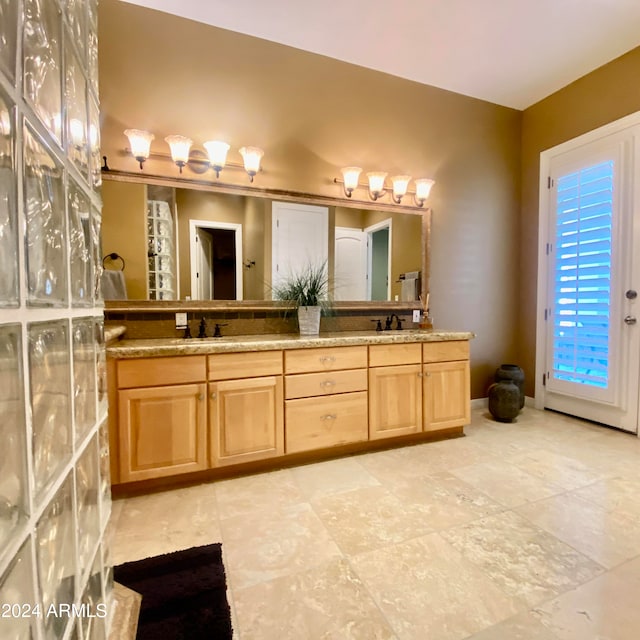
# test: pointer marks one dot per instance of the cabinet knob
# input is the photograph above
(213, 395)
(201, 396)
(327, 359)
(420, 374)
(327, 383)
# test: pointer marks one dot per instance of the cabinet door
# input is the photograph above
(395, 401)
(246, 420)
(162, 431)
(446, 395)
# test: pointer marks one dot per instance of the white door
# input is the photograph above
(350, 267)
(300, 237)
(590, 342)
(379, 260)
(204, 272)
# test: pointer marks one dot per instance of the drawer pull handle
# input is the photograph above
(327, 359)
(214, 395)
(328, 383)
(328, 416)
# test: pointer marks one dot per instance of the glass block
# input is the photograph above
(95, 160)
(16, 588)
(75, 92)
(101, 368)
(8, 36)
(56, 558)
(92, 44)
(50, 399)
(87, 486)
(79, 214)
(77, 21)
(13, 469)
(9, 292)
(107, 569)
(84, 377)
(105, 473)
(42, 69)
(45, 234)
(96, 248)
(93, 625)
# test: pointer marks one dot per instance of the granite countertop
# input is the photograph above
(197, 346)
(113, 332)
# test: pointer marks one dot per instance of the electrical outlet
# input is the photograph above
(181, 320)
(416, 315)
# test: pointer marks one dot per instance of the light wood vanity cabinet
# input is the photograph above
(161, 417)
(326, 397)
(181, 414)
(245, 407)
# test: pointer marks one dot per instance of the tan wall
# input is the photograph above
(609, 93)
(124, 206)
(313, 115)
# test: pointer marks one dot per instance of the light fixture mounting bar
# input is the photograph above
(364, 185)
(159, 155)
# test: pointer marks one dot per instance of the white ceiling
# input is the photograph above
(510, 52)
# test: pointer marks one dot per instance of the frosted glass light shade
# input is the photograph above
(180, 146)
(400, 186)
(217, 152)
(251, 157)
(376, 183)
(423, 188)
(350, 175)
(140, 142)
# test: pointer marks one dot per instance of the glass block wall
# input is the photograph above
(55, 501)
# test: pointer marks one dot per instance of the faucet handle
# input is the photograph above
(399, 326)
(216, 330)
(378, 326)
(387, 323)
(187, 331)
(202, 329)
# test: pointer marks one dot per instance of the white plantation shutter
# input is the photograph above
(582, 276)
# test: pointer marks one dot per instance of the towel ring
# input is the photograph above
(113, 256)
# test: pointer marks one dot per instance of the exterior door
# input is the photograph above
(591, 341)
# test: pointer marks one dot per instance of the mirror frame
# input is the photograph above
(273, 194)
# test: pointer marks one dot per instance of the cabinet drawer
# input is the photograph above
(327, 359)
(304, 385)
(445, 351)
(153, 372)
(227, 366)
(315, 423)
(383, 355)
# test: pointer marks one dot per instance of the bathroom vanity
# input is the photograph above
(216, 407)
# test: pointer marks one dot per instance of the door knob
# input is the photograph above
(631, 294)
(630, 320)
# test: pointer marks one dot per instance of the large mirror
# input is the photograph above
(172, 243)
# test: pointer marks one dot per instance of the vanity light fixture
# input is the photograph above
(140, 142)
(350, 175)
(217, 152)
(377, 188)
(180, 146)
(140, 148)
(423, 189)
(252, 157)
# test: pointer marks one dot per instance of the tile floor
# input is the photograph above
(523, 531)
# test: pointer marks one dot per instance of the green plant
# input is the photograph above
(307, 287)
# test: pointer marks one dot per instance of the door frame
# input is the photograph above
(378, 226)
(211, 224)
(544, 215)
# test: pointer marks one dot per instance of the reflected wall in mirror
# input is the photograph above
(179, 243)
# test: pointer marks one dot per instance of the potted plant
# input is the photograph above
(308, 289)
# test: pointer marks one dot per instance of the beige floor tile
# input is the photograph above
(256, 492)
(523, 626)
(328, 601)
(621, 495)
(270, 543)
(331, 477)
(426, 589)
(445, 500)
(521, 558)
(557, 469)
(163, 522)
(605, 608)
(505, 483)
(607, 537)
(370, 518)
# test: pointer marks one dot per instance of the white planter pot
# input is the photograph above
(309, 320)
